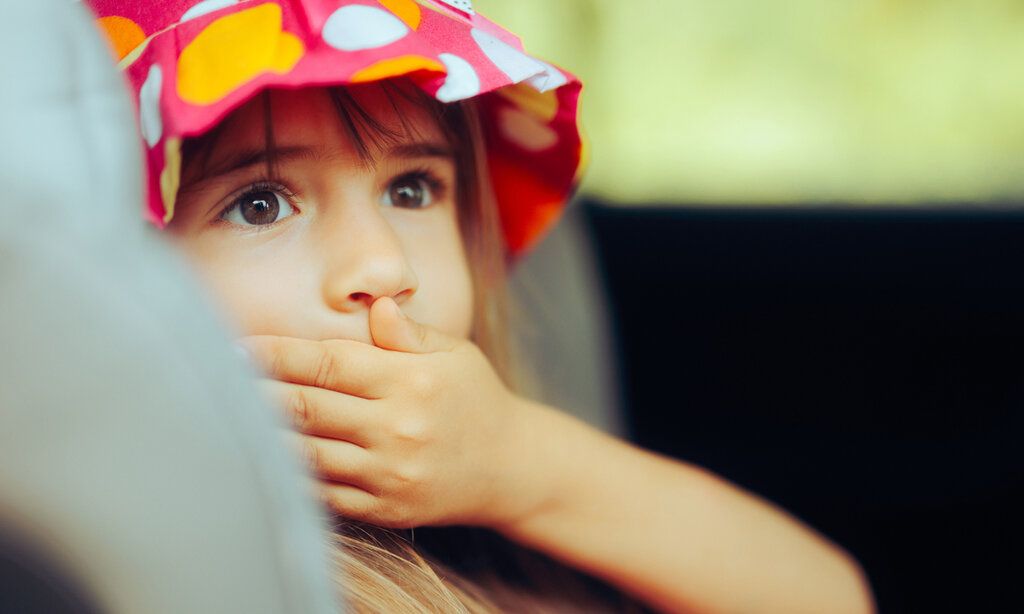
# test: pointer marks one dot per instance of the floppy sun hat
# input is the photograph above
(189, 63)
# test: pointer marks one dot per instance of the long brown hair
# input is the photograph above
(451, 569)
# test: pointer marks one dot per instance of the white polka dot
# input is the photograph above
(149, 106)
(514, 63)
(465, 6)
(204, 7)
(525, 130)
(358, 26)
(461, 82)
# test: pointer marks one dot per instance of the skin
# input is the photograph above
(359, 312)
(315, 273)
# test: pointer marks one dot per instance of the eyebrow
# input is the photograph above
(241, 159)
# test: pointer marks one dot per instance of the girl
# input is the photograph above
(351, 177)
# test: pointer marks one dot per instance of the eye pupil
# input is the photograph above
(260, 208)
(407, 193)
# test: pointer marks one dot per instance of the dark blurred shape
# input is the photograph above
(31, 582)
(863, 368)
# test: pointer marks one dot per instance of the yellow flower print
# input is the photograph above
(233, 50)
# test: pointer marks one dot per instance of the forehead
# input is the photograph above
(314, 116)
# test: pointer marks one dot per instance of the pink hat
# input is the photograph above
(192, 62)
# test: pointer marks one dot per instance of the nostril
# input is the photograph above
(361, 297)
(367, 298)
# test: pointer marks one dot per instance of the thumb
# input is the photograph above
(393, 330)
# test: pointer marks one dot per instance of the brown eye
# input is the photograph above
(258, 208)
(408, 191)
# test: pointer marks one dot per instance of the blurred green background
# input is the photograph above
(754, 102)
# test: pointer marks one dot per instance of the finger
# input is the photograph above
(391, 329)
(326, 413)
(342, 365)
(339, 461)
(350, 501)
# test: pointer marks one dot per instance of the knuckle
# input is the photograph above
(326, 365)
(412, 429)
(300, 410)
(423, 383)
(275, 360)
(409, 474)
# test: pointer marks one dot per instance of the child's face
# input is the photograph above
(305, 253)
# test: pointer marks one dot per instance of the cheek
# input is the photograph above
(445, 296)
(457, 301)
(275, 289)
(260, 296)
(257, 304)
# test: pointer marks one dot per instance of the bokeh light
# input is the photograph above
(749, 102)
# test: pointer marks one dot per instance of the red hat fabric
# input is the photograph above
(191, 62)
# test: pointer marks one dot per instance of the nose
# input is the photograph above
(365, 261)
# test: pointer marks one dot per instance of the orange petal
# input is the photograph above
(394, 67)
(406, 10)
(212, 66)
(123, 33)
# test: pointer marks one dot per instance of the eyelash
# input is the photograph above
(253, 189)
(438, 190)
(438, 187)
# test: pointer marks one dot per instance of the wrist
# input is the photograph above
(531, 466)
(551, 455)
